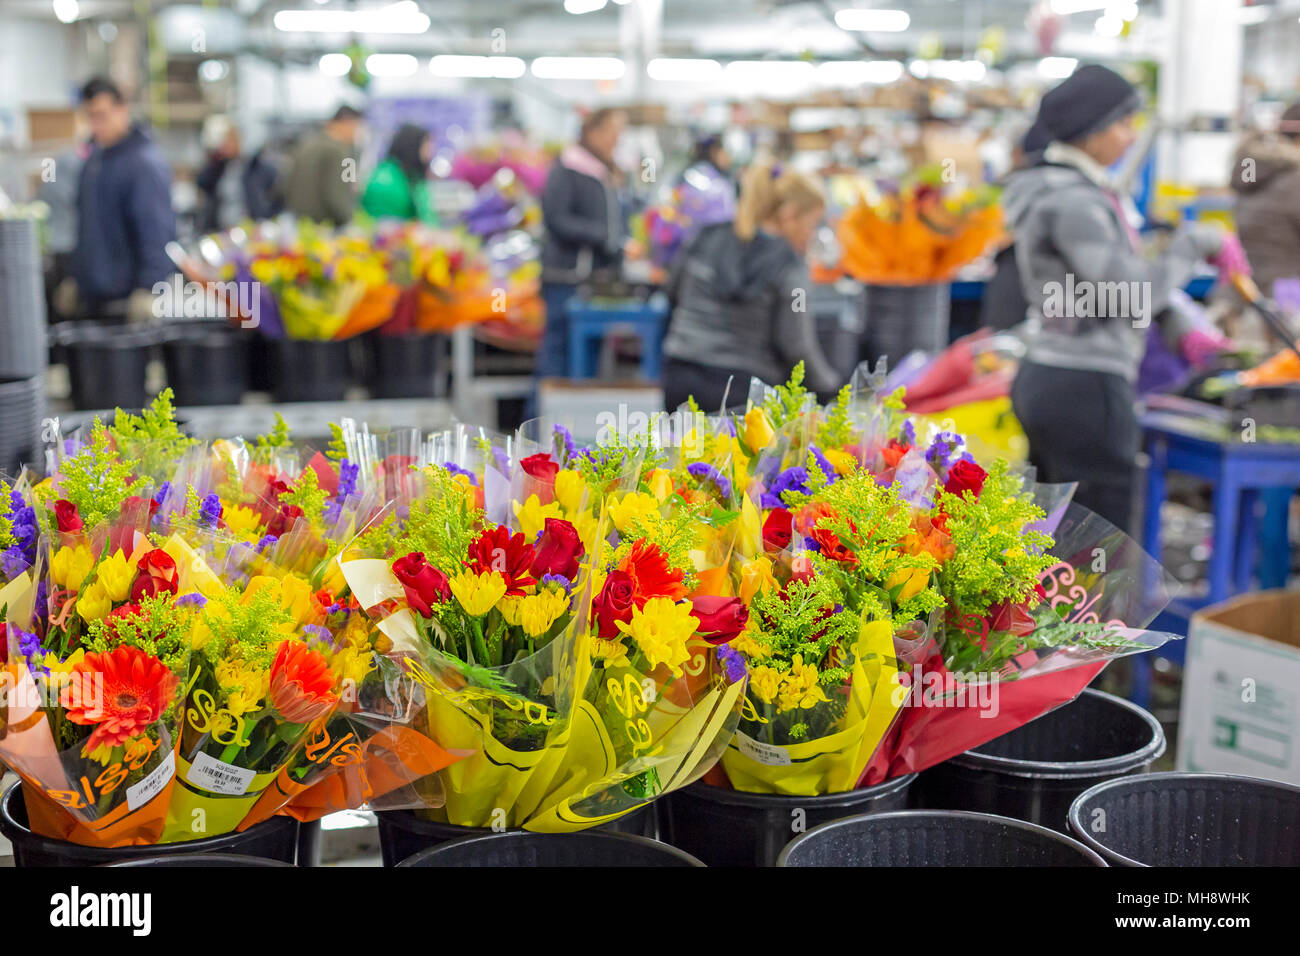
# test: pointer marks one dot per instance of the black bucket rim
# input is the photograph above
(1069, 769)
(11, 828)
(406, 819)
(1075, 816)
(190, 860)
(763, 801)
(604, 836)
(984, 818)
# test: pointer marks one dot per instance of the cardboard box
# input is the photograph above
(51, 125)
(1241, 688)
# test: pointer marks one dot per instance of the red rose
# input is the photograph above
(65, 512)
(157, 575)
(496, 549)
(832, 548)
(777, 530)
(557, 550)
(965, 476)
(1011, 618)
(616, 601)
(721, 618)
(424, 584)
(126, 610)
(540, 466)
(284, 519)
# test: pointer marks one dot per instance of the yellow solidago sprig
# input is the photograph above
(161, 628)
(442, 522)
(97, 479)
(153, 438)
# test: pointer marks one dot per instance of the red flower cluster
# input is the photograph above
(424, 584)
(541, 466)
(557, 550)
(965, 476)
(641, 575)
(495, 549)
(283, 520)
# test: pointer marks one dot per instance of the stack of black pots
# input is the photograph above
(22, 343)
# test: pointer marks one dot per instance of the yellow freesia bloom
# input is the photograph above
(758, 429)
(116, 574)
(59, 670)
(569, 489)
(538, 612)
(633, 506)
(765, 682)
(532, 515)
(661, 629)
(69, 566)
(799, 688)
(841, 461)
(478, 593)
(94, 604)
(756, 576)
(243, 684)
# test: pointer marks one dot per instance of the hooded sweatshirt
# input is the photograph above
(1091, 293)
(125, 219)
(736, 306)
(1266, 179)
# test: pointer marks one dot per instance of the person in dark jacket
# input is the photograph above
(1093, 296)
(220, 180)
(1004, 306)
(585, 229)
(740, 297)
(321, 183)
(124, 209)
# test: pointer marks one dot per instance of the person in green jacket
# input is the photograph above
(399, 186)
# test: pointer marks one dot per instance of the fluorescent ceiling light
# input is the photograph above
(578, 68)
(957, 71)
(66, 10)
(488, 67)
(670, 69)
(1108, 25)
(402, 17)
(872, 21)
(1067, 7)
(583, 6)
(848, 72)
(335, 64)
(391, 64)
(1057, 67)
(769, 71)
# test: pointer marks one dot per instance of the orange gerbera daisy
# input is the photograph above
(121, 692)
(301, 683)
(651, 575)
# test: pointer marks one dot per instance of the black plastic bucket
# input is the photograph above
(201, 859)
(732, 828)
(935, 838)
(1191, 819)
(589, 848)
(106, 362)
(274, 839)
(206, 364)
(304, 370)
(404, 366)
(402, 834)
(1034, 772)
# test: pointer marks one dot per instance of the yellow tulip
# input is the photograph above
(660, 484)
(841, 461)
(569, 490)
(756, 576)
(116, 574)
(240, 520)
(913, 581)
(94, 604)
(69, 566)
(758, 429)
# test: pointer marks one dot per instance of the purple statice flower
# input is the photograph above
(558, 579)
(163, 490)
(193, 599)
(707, 474)
(792, 479)
(321, 634)
(458, 470)
(29, 645)
(210, 512)
(43, 601)
(907, 436)
(348, 473)
(942, 453)
(22, 518)
(565, 439)
(12, 562)
(827, 468)
(811, 544)
(732, 662)
(266, 542)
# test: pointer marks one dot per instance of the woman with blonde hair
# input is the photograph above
(740, 296)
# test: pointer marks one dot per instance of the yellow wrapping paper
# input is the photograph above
(833, 763)
(195, 812)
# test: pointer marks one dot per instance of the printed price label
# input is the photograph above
(768, 754)
(148, 788)
(219, 777)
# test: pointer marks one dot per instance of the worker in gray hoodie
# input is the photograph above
(739, 294)
(1092, 294)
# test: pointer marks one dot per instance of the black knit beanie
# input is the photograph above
(1090, 100)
